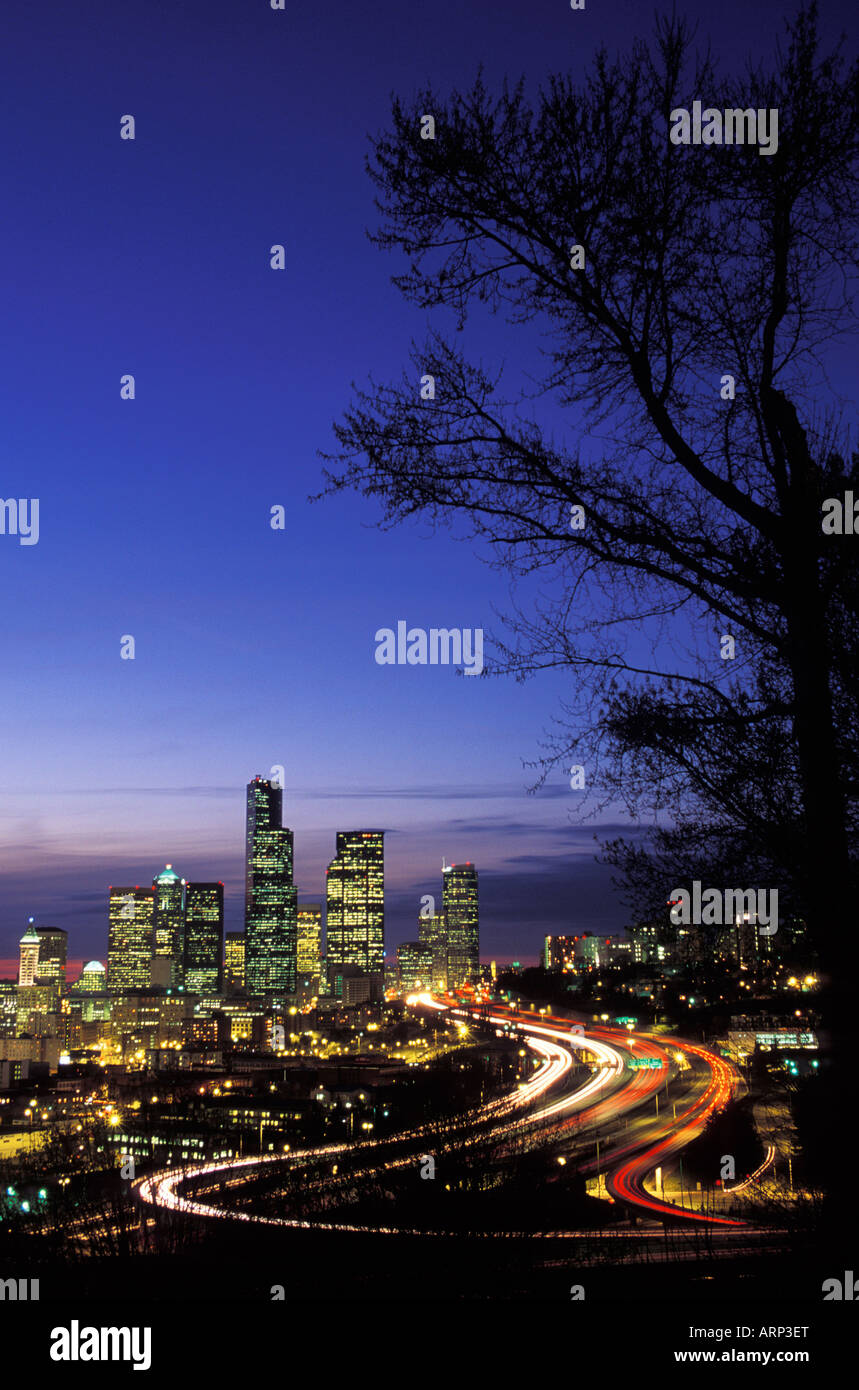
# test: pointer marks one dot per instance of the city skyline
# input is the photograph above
(401, 910)
(507, 896)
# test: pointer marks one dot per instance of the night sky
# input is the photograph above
(254, 647)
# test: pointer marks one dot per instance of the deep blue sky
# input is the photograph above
(254, 647)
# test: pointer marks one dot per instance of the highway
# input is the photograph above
(626, 1165)
(610, 1125)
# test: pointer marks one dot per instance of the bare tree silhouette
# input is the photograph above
(701, 508)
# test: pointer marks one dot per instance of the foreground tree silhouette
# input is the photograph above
(704, 513)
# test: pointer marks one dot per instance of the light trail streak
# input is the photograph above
(552, 1041)
(741, 1187)
(627, 1182)
(160, 1189)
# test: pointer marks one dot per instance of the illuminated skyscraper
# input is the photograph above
(461, 923)
(29, 948)
(53, 953)
(234, 961)
(431, 933)
(130, 939)
(51, 967)
(355, 916)
(204, 937)
(309, 938)
(37, 1010)
(271, 900)
(169, 937)
(414, 966)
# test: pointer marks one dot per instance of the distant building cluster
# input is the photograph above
(574, 954)
(169, 936)
(720, 961)
(174, 982)
(446, 955)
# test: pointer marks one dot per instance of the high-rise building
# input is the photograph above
(414, 967)
(462, 923)
(431, 933)
(29, 949)
(234, 961)
(53, 955)
(51, 965)
(750, 948)
(130, 939)
(309, 938)
(37, 1010)
(271, 899)
(204, 937)
(169, 936)
(355, 910)
(559, 953)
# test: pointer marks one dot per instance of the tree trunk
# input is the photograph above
(827, 874)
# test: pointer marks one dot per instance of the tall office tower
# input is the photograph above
(747, 939)
(37, 1011)
(130, 939)
(53, 954)
(29, 948)
(169, 938)
(414, 967)
(462, 926)
(204, 937)
(234, 961)
(431, 933)
(309, 939)
(355, 913)
(724, 943)
(51, 969)
(271, 900)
